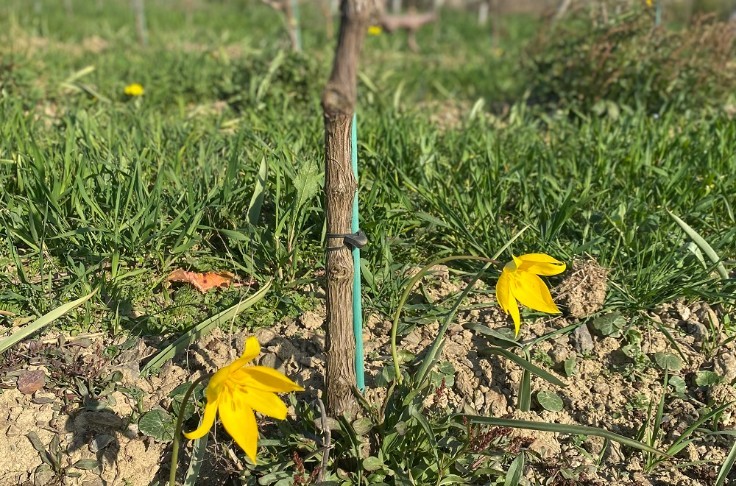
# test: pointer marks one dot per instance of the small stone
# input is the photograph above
(559, 353)
(455, 329)
(601, 388)
(496, 403)
(547, 447)
(100, 442)
(582, 340)
(683, 310)
(309, 361)
(725, 365)
(265, 336)
(478, 400)
(465, 384)
(30, 382)
(43, 475)
(413, 337)
(13, 431)
(311, 320)
(697, 330)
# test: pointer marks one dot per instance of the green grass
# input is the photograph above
(101, 191)
(104, 191)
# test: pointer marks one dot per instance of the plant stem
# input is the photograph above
(177, 429)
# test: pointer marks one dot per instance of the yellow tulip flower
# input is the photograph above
(519, 281)
(236, 390)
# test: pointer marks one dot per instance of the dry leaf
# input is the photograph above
(31, 381)
(202, 281)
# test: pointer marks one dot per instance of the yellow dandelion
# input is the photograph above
(375, 30)
(134, 89)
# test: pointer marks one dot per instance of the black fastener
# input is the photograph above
(354, 240)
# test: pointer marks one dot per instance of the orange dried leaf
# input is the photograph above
(202, 281)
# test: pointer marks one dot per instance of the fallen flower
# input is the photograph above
(519, 281)
(236, 391)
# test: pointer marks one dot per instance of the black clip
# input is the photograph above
(354, 240)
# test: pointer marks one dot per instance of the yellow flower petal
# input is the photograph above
(540, 264)
(208, 419)
(515, 315)
(503, 290)
(252, 349)
(532, 292)
(514, 264)
(240, 422)
(264, 379)
(506, 300)
(266, 403)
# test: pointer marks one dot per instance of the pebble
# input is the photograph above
(683, 310)
(725, 365)
(697, 330)
(43, 476)
(100, 442)
(478, 400)
(582, 340)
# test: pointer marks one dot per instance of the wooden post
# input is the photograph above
(291, 10)
(338, 104)
(326, 8)
(140, 21)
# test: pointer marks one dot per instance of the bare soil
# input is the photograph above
(98, 441)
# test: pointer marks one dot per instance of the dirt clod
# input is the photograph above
(583, 291)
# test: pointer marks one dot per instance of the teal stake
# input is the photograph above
(357, 303)
(658, 13)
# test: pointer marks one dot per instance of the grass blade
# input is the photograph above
(703, 245)
(532, 368)
(198, 451)
(560, 429)
(525, 392)
(726, 467)
(481, 329)
(259, 192)
(42, 322)
(516, 471)
(200, 330)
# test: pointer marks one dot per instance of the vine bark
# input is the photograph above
(338, 105)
